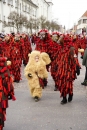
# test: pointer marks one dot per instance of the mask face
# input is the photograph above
(36, 58)
(55, 37)
(42, 35)
(61, 40)
(17, 39)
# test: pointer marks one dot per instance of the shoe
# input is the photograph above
(84, 83)
(36, 99)
(55, 89)
(64, 101)
(81, 57)
(17, 81)
(70, 97)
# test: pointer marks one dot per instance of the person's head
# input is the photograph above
(55, 36)
(36, 58)
(61, 40)
(43, 34)
(17, 38)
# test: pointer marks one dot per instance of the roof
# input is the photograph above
(85, 14)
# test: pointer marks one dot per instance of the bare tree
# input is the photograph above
(42, 20)
(15, 20)
(30, 24)
(54, 26)
(48, 25)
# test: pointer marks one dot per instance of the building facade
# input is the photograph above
(82, 24)
(29, 8)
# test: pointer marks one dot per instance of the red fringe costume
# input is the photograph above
(16, 60)
(26, 48)
(55, 51)
(6, 88)
(8, 46)
(67, 64)
(45, 45)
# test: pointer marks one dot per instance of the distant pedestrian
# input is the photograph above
(84, 63)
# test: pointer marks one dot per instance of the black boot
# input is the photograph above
(81, 57)
(36, 99)
(64, 101)
(70, 97)
(55, 89)
(84, 83)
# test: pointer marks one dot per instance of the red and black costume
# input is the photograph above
(26, 48)
(6, 88)
(44, 44)
(16, 59)
(67, 68)
(55, 52)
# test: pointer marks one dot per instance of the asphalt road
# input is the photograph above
(48, 113)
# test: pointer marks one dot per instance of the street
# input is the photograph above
(48, 113)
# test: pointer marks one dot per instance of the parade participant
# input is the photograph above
(55, 48)
(44, 44)
(35, 71)
(84, 62)
(6, 87)
(8, 39)
(26, 48)
(82, 44)
(68, 68)
(16, 58)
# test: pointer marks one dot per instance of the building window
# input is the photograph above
(3, 18)
(28, 9)
(20, 6)
(79, 22)
(25, 7)
(16, 4)
(10, 2)
(84, 20)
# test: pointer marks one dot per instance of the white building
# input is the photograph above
(82, 23)
(29, 8)
(44, 8)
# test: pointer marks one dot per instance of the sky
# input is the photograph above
(68, 12)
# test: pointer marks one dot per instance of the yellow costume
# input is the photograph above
(36, 70)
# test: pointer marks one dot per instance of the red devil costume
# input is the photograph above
(68, 68)
(44, 44)
(16, 59)
(55, 48)
(26, 48)
(6, 88)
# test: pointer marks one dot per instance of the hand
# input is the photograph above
(80, 50)
(49, 69)
(9, 97)
(29, 75)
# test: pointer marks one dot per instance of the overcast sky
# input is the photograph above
(67, 12)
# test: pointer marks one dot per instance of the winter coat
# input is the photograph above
(84, 62)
